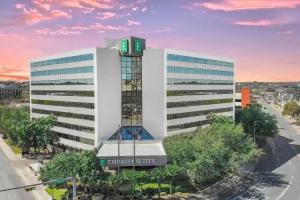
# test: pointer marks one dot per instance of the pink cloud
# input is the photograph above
(289, 32)
(78, 29)
(255, 23)
(106, 15)
(162, 30)
(99, 4)
(33, 15)
(133, 23)
(61, 31)
(42, 4)
(135, 8)
(19, 6)
(233, 5)
(144, 9)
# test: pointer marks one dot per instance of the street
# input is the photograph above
(9, 178)
(278, 170)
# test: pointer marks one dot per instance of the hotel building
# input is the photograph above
(124, 99)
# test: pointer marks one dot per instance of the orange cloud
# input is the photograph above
(234, 5)
(8, 77)
(255, 23)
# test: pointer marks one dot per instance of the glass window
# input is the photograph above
(181, 58)
(186, 70)
(73, 70)
(63, 60)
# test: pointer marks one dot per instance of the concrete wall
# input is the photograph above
(154, 95)
(108, 93)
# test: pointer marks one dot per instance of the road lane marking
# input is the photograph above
(286, 189)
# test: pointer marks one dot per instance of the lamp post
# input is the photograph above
(134, 135)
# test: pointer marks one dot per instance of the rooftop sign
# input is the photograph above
(124, 47)
(132, 46)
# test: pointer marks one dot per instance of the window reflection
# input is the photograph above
(131, 74)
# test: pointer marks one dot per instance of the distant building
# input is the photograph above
(128, 92)
(243, 98)
(10, 91)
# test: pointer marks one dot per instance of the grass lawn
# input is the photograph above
(152, 186)
(57, 194)
(14, 148)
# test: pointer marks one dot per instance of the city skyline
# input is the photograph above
(261, 36)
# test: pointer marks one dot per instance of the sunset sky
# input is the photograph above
(262, 36)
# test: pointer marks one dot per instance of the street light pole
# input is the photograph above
(74, 188)
(134, 135)
(119, 140)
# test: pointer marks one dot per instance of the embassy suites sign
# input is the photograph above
(128, 161)
(132, 46)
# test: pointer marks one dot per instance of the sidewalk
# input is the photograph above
(289, 119)
(22, 168)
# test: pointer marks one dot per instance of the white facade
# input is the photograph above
(178, 92)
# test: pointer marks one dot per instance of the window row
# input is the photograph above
(72, 70)
(74, 138)
(63, 93)
(188, 125)
(187, 70)
(206, 61)
(64, 114)
(131, 59)
(198, 103)
(57, 61)
(88, 81)
(182, 81)
(197, 92)
(75, 127)
(63, 103)
(197, 113)
(131, 70)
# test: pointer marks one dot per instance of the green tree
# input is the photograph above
(213, 152)
(254, 117)
(35, 133)
(291, 108)
(9, 118)
(82, 165)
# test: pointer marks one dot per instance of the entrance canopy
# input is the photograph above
(146, 153)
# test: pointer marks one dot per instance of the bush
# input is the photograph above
(57, 194)
(291, 108)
